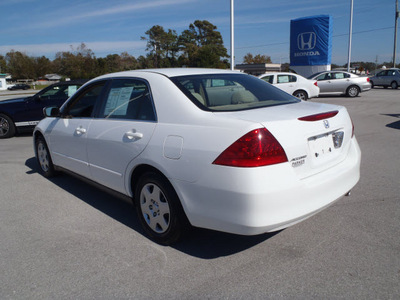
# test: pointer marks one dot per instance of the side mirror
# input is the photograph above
(51, 111)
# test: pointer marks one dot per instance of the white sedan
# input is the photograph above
(210, 148)
(293, 84)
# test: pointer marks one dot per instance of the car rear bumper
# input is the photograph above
(252, 201)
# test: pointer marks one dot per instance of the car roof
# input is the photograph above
(172, 72)
(70, 82)
(279, 73)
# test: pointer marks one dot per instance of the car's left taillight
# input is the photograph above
(316, 83)
(255, 149)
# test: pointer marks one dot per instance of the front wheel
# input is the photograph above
(7, 127)
(43, 157)
(159, 209)
(353, 91)
(394, 85)
(301, 95)
(372, 84)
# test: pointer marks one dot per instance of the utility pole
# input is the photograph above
(350, 35)
(395, 34)
(232, 38)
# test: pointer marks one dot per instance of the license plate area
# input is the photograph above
(322, 146)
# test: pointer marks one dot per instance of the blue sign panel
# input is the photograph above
(311, 41)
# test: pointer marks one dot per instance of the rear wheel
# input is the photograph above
(159, 209)
(7, 127)
(301, 95)
(353, 91)
(394, 85)
(43, 157)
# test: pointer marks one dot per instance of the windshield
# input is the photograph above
(231, 92)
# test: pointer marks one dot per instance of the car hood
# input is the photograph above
(12, 101)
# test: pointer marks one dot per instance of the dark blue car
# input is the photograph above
(22, 114)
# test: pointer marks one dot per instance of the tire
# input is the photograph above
(394, 85)
(43, 158)
(301, 95)
(353, 91)
(7, 127)
(159, 209)
(372, 84)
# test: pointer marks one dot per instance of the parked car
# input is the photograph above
(293, 84)
(210, 148)
(19, 86)
(340, 82)
(22, 114)
(386, 78)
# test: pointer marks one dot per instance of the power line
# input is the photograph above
(337, 35)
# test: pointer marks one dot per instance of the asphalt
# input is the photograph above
(64, 239)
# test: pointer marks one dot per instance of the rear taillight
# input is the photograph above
(367, 79)
(316, 83)
(318, 117)
(255, 149)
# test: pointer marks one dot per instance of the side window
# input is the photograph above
(382, 73)
(128, 99)
(325, 76)
(338, 75)
(60, 92)
(269, 79)
(83, 105)
(292, 78)
(283, 79)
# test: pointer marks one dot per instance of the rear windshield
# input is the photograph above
(231, 92)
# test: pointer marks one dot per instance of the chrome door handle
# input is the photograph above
(133, 135)
(80, 130)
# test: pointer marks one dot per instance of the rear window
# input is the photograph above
(231, 92)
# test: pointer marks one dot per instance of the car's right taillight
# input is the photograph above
(255, 149)
(316, 83)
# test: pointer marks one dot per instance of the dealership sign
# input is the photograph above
(311, 41)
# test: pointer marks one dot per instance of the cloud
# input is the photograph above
(98, 48)
(115, 10)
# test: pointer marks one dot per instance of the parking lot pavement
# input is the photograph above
(62, 238)
(4, 95)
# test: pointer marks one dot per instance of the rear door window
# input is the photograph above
(128, 99)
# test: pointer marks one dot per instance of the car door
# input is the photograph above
(340, 82)
(380, 78)
(69, 132)
(286, 82)
(324, 82)
(121, 131)
(51, 96)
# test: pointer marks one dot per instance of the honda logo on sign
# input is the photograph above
(306, 40)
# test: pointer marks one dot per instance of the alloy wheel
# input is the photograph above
(43, 156)
(4, 126)
(155, 208)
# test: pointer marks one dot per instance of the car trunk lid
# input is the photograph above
(312, 139)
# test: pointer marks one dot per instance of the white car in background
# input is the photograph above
(293, 84)
(210, 148)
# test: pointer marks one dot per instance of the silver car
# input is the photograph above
(385, 78)
(341, 83)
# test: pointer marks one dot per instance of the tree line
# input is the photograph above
(201, 45)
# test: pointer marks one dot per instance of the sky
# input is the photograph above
(38, 27)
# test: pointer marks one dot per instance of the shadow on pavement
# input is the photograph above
(201, 243)
(394, 125)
